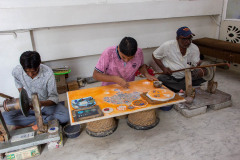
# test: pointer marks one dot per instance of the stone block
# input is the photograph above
(190, 112)
(221, 105)
(179, 107)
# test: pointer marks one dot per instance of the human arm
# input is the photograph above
(51, 92)
(165, 70)
(143, 70)
(109, 78)
(199, 63)
(42, 103)
(47, 103)
(16, 72)
(196, 61)
(195, 55)
(159, 54)
(103, 65)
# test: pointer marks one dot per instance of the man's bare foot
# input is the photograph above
(35, 127)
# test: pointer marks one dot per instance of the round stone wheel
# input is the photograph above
(101, 128)
(143, 120)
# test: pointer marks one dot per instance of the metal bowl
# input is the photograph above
(157, 84)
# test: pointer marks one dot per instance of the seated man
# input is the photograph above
(179, 54)
(36, 78)
(118, 64)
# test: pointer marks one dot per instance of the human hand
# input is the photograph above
(199, 63)
(201, 72)
(151, 78)
(31, 105)
(167, 71)
(120, 81)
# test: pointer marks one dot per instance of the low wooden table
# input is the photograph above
(100, 94)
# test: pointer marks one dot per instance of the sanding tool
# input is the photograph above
(21, 103)
(210, 71)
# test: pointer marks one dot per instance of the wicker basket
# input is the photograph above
(101, 128)
(143, 120)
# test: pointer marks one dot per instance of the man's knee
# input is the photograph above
(63, 118)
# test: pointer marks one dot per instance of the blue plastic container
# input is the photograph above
(167, 108)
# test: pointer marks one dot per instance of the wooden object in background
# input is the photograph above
(73, 85)
(219, 49)
(203, 66)
(154, 102)
(61, 83)
(62, 89)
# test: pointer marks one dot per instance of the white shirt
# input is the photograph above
(171, 57)
(43, 84)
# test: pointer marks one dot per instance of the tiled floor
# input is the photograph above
(211, 136)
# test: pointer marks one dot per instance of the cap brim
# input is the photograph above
(192, 34)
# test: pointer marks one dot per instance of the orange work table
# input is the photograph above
(102, 94)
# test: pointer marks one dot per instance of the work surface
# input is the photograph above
(117, 98)
(210, 136)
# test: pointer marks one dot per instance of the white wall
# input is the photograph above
(56, 16)
(10, 51)
(85, 40)
(79, 44)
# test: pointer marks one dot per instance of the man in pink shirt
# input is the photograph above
(118, 64)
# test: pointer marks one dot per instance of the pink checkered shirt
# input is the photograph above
(110, 63)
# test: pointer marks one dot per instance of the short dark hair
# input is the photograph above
(30, 59)
(128, 46)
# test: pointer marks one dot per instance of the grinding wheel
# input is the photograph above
(210, 71)
(24, 102)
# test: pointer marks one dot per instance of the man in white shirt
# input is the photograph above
(178, 54)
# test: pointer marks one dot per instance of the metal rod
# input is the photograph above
(210, 65)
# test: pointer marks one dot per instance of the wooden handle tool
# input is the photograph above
(204, 66)
(5, 96)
